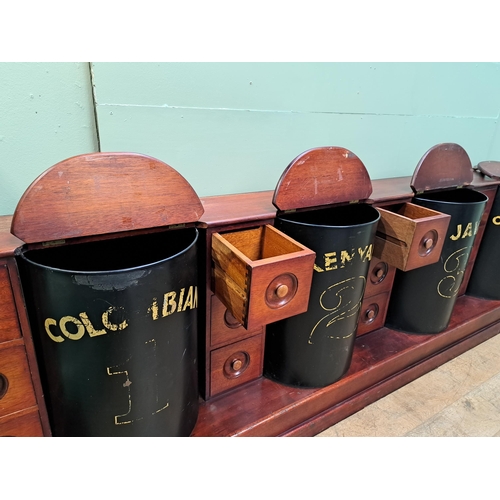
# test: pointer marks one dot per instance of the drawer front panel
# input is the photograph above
(9, 325)
(236, 364)
(16, 389)
(224, 328)
(26, 425)
(380, 277)
(373, 313)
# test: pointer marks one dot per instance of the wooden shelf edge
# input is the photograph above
(383, 361)
(346, 408)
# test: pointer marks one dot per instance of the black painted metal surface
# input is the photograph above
(314, 349)
(115, 330)
(422, 300)
(485, 278)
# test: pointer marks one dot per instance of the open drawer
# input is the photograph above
(261, 275)
(410, 236)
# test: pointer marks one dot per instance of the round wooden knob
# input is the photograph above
(4, 385)
(370, 314)
(428, 242)
(230, 321)
(236, 364)
(281, 291)
(379, 273)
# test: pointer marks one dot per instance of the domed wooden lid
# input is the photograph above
(489, 168)
(444, 166)
(102, 193)
(322, 176)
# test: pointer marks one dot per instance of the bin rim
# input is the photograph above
(285, 216)
(22, 251)
(430, 196)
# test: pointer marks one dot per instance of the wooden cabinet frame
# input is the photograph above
(383, 359)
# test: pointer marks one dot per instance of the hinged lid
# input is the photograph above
(489, 168)
(444, 166)
(322, 176)
(102, 193)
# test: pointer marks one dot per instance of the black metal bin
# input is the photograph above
(484, 281)
(114, 321)
(314, 349)
(422, 300)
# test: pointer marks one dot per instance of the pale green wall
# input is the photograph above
(234, 127)
(46, 115)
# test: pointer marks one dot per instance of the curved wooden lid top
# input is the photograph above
(489, 168)
(322, 176)
(444, 166)
(102, 193)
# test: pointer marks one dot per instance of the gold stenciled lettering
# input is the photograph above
(496, 220)
(51, 322)
(72, 336)
(330, 258)
(346, 257)
(112, 326)
(468, 230)
(459, 232)
(192, 298)
(366, 253)
(154, 309)
(169, 301)
(181, 297)
(90, 327)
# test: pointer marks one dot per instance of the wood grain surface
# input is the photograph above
(103, 193)
(322, 176)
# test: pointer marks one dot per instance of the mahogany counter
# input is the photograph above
(383, 360)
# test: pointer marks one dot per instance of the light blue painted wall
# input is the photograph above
(46, 115)
(234, 127)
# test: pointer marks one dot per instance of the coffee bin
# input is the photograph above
(423, 299)
(110, 279)
(485, 278)
(319, 199)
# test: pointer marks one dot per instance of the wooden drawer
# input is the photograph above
(236, 364)
(380, 277)
(224, 327)
(261, 275)
(21, 424)
(410, 236)
(16, 389)
(373, 313)
(9, 325)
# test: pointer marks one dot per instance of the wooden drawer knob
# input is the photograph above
(281, 290)
(236, 364)
(230, 321)
(4, 385)
(371, 313)
(379, 273)
(427, 243)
